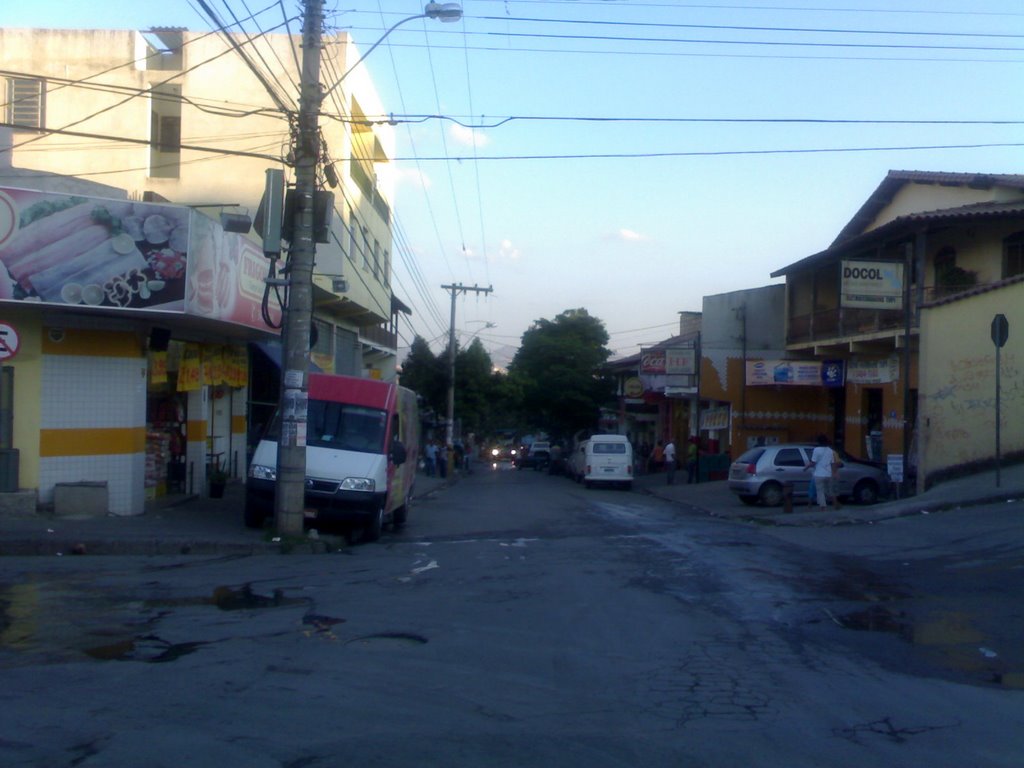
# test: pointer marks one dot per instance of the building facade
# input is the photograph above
(153, 369)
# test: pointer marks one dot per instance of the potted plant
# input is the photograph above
(217, 478)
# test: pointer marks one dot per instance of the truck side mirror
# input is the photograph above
(398, 453)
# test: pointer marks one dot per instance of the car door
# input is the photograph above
(790, 466)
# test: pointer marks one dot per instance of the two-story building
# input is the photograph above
(904, 297)
(178, 120)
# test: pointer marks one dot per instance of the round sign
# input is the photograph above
(8, 218)
(633, 387)
(8, 341)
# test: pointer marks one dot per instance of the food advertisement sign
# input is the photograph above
(81, 251)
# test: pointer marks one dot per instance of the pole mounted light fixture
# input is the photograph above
(444, 12)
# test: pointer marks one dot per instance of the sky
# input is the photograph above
(657, 152)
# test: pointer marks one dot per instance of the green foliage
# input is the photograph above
(426, 374)
(558, 369)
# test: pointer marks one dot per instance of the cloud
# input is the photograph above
(467, 136)
(628, 236)
(507, 251)
(415, 177)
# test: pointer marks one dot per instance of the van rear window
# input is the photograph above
(608, 447)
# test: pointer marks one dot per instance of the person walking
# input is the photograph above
(822, 459)
(430, 458)
(658, 457)
(692, 450)
(670, 461)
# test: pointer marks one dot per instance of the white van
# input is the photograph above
(608, 459)
(362, 447)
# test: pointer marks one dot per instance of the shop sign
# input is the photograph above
(878, 371)
(715, 418)
(807, 373)
(83, 251)
(633, 388)
(652, 361)
(871, 284)
(190, 369)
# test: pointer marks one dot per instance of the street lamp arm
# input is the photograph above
(446, 12)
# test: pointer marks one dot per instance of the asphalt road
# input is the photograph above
(519, 620)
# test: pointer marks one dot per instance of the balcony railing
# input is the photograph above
(379, 335)
(830, 324)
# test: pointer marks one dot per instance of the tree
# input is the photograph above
(558, 367)
(426, 375)
(473, 391)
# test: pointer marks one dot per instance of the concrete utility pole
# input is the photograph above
(291, 453)
(455, 290)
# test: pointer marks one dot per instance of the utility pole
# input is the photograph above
(455, 290)
(291, 456)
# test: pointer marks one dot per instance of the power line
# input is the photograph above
(711, 153)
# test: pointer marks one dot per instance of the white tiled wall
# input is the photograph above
(82, 392)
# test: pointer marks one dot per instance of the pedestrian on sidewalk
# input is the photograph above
(670, 461)
(822, 460)
(430, 458)
(658, 457)
(692, 450)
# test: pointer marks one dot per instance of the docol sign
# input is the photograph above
(872, 284)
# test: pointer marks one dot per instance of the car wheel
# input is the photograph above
(865, 492)
(374, 525)
(770, 494)
(748, 499)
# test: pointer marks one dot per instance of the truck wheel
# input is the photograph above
(374, 525)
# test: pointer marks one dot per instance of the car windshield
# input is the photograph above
(345, 427)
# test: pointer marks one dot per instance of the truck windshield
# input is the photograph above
(345, 427)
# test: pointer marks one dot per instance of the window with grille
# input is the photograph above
(25, 101)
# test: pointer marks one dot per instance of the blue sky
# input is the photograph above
(538, 209)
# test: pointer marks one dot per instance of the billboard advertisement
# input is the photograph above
(807, 373)
(871, 284)
(79, 251)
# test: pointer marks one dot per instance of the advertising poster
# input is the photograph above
(69, 249)
(807, 373)
(127, 255)
(872, 284)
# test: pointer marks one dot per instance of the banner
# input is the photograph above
(806, 373)
(674, 361)
(81, 251)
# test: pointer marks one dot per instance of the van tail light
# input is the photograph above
(751, 469)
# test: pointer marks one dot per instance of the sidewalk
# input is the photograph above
(717, 500)
(169, 526)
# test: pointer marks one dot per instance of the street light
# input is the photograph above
(290, 499)
(444, 12)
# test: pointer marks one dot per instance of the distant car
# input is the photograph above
(761, 474)
(536, 457)
(502, 452)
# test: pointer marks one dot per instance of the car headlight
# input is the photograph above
(494, 451)
(513, 452)
(358, 484)
(259, 472)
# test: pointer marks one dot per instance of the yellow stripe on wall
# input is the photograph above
(238, 424)
(90, 343)
(195, 431)
(92, 442)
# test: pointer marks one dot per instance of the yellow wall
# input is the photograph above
(28, 378)
(958, 382)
